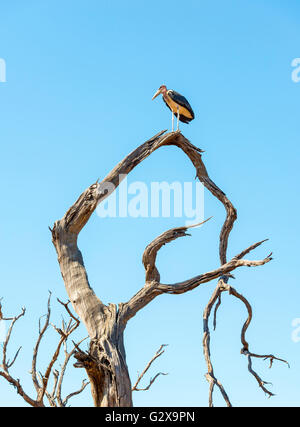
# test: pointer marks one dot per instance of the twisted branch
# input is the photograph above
(245, 350)
(153, 287)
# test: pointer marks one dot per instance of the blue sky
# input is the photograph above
(80, 77)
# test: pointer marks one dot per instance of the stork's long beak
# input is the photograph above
(156, 94)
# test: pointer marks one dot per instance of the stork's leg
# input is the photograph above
(177, 118)
(172, 121)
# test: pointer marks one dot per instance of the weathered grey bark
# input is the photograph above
(106, 362)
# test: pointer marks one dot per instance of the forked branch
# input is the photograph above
(153, 287)
(245, 350)
(159, 352)
(41, 381)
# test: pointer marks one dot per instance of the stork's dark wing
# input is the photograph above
(181, 100)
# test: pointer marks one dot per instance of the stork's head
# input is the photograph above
(162, 89)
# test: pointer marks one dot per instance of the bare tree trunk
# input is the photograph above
(106, 362)
(106, 365)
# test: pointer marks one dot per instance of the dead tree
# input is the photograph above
(41, 381)
(105, 362)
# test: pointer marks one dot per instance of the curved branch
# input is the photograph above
(61, 374)
(153, 288)
(210, 376)
(75, 393)
(245, 350)
(188, 285)
(150, 253)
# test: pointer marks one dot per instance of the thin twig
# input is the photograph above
(159, 352)
(40, 380)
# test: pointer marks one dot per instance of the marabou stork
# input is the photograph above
(178, 104)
